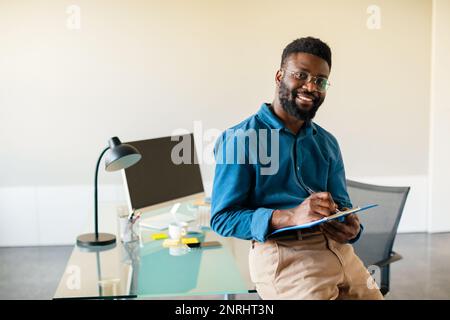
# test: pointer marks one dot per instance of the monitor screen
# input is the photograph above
(156, 178)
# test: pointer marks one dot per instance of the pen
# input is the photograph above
(135, 217)
(311, 191)
(130, 216)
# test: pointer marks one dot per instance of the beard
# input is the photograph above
(287, 101)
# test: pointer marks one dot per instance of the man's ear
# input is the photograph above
(278, 77)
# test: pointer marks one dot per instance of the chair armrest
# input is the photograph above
(394, 257)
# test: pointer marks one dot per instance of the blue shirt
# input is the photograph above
(244, 196)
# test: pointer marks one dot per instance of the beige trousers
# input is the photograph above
(315, 267)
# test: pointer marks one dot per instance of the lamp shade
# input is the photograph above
(120, 156)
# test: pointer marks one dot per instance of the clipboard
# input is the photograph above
(337, 215)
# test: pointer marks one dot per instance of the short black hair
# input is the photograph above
(309, 45)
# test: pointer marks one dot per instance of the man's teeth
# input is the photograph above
(304, 98)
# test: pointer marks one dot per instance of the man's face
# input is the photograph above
(298, 98)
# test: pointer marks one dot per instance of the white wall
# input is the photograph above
(439, 218)
(415, 212)
(141, 69)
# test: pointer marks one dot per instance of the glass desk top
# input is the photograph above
(144, 268)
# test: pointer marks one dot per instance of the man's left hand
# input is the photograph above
(342, 231)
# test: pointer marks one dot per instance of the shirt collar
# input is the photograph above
(267, 116)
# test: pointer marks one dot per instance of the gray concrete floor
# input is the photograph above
(34, 272)
(424, 271)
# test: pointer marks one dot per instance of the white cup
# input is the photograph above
(178, 230)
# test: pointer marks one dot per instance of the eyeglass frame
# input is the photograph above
(310, 77)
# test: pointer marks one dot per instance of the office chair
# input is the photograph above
(380, 226)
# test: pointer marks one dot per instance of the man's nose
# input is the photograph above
(309, 86)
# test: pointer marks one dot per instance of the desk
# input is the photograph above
(144, 268)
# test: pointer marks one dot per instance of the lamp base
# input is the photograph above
(90, 240)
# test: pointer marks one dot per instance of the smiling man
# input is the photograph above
(315, 263)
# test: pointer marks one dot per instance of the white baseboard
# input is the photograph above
(415, 213)
(49, 215)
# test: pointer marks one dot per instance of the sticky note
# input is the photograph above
(159, 236)
(201, 202)
(189, 240)
(170, 243)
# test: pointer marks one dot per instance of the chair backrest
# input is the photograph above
(380, 223)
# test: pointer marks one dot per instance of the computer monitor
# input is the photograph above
(156, 180)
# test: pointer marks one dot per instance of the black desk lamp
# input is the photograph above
(119, 156)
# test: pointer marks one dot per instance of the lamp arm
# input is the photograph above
(96, 192)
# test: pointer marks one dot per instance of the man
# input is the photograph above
(309, 184)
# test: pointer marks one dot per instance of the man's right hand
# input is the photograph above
(315, 207)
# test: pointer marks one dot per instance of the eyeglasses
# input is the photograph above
(321, 83)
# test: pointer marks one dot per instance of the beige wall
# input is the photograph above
(141, 69)
(440, 120)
